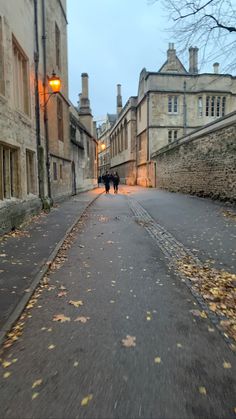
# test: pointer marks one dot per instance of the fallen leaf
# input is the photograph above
(129, 341)
(37, 383)
(62, 294)
(82, 319)
(157, 360)
(149, 318)
(51, 347)
(76, 303)
(226, 365)
(61, 318)
(112, 301)
(6, 374)
(86, 400)
(210, 329)
(202, 390)
(34, 396)
(179, 345)
(76, 364)
(6, 364)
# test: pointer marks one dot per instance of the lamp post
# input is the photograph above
(55, 84)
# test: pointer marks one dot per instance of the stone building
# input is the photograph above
(83, 143)
(103, 133)
(36, 165)
(123, 137)
(171, 103)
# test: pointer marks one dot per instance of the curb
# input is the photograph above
(44, 268)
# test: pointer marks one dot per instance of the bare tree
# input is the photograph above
(209, 24)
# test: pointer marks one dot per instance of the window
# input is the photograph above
(2, 82)
(218, 106)
(61, 171)
(173, 104)
(58, 46)
(54, 171)
(200, 106)
(30, 171)
(212, 105)
(60, 119)
(172, 135)
(207, 105)
(8, 172)
(88, 148)
(215, 106)
(223, 105)
(20, 78)
(126, 135)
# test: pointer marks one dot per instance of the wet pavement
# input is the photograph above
(112, 334)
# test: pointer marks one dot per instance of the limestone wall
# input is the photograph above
(202, 163)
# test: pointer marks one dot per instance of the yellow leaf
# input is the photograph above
(179, 345)
(76, 303)
(203, 315)
(6, 364)
(149, 318)
(86, 400)
(37, 383)
(14, 360)
(226, 365)
(157, 360)
(202, 390)
(6, 374)
(76, 364)
(34, 396)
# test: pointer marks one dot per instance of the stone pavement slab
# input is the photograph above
(25, 254)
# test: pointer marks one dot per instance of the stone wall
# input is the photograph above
(202, 163)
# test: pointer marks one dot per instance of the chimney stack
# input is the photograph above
(193, 60)
(171, 52)
(216, 68)
(118, 100)
(84, 110)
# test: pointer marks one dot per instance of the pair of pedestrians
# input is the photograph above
(107, 178)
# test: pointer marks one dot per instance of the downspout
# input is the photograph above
(44, 39)
(148, 147)
(40, 157)
(185, 110)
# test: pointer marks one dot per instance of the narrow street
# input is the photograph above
(114, 329)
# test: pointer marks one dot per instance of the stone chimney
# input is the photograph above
(171, 52)
(193, 60)
(118, 100)
(84, 110)
(216, 68)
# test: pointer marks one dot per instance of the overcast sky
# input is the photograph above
(112, 40)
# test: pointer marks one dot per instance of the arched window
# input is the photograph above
(126, 134)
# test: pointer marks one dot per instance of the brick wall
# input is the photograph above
(202, 163)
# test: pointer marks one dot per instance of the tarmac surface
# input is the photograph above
(111, 334)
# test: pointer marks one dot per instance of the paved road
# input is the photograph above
(174, 371)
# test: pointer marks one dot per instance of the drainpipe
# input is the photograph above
(185, 110)
(40, 158)
(148, 147)
(45, 80)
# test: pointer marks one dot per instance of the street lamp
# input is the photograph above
(103, 146)
(55, 83)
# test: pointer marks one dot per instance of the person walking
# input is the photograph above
(106, 180)
(116, 181)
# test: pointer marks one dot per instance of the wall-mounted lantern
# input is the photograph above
(55, 82)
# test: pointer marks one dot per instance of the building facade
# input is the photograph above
(170, 104)
(36, 164)
(104, 153)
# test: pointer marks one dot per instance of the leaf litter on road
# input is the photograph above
(129, 341)
(37, 383)
(76, 303)
(85, 401)
(82, 319)
(61, 318)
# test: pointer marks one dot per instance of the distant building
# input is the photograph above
(171, 103)
(103, 134)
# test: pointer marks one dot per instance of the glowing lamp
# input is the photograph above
(103, 146)
(55, 83)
